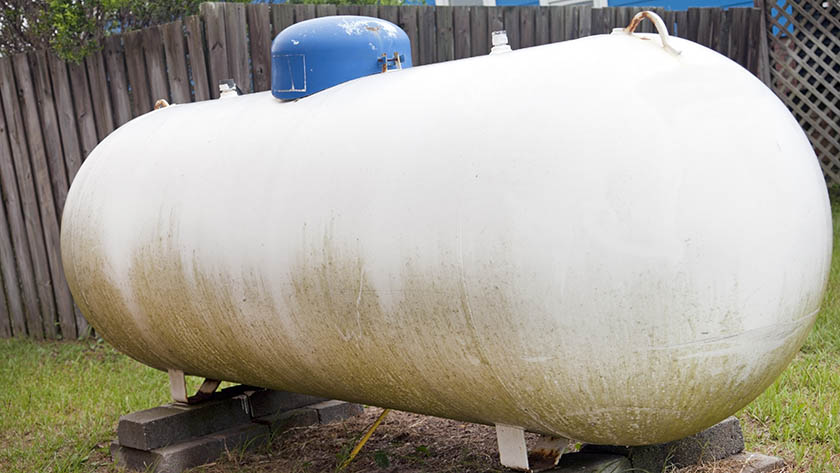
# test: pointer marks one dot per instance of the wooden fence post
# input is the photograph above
(763, 49)
(259, 29)
(214, 30)
(176, 62)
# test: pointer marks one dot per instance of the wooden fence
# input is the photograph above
(54, 113)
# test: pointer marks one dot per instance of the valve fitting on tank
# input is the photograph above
(499, 42)
(228, 88)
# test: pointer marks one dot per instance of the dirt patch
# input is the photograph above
(404, 442)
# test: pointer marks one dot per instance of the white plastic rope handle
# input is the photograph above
(660, 28)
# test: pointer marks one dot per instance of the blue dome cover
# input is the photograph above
(316, 54)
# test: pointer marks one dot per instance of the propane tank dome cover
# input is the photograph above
(317, 54)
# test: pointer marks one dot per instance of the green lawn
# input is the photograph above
(798, 417)
(59, 402)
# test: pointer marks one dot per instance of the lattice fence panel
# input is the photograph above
(804, 46)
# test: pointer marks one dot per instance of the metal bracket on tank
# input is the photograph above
(228, 88)
(178, 388)
(385, 62)
(514, 454)
(547, 452)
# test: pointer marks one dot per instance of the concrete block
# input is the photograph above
(591, 463)
(283, 421)
(245, 437)
(172, 459)
(173, 423)
(757, 463)
(178, 457)
(265, 402)
(717, 442)
(335, 411)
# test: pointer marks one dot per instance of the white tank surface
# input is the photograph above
(600, 239)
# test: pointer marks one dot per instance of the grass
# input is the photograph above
(60, 401)
(798, 417)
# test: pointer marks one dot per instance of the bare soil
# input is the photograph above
(404, 442)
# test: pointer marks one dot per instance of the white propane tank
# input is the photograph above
(603, 239)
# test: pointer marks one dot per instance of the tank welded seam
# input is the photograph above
(792, 325)
(478, 341)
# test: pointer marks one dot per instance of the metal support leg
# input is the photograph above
(178, 388)
(512, 450)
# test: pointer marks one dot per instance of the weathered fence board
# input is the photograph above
(427, 36)
(12, 320)
(28, 201)
(22, 299)
(102, 109)
(461, 32)
(176, 62)
(281, 17)
(527, 27)
(117, 82)
(325, 10)
(5, 324)
(63, 309)
(84, 109)
(259, 35)
(369, 10)
(214, 29)
(16, 228)
(542, 25)
(444, 34)
(198, 61)
(136, 72)
(304, 12)
(155, 64)
(237, 46)
(66, 113)
(511, 25)
(54, 113)
(348, 10)
(49, 125)
(479, 34)
(390, 13)
(409, 22)
(600, 20)
(68, 314)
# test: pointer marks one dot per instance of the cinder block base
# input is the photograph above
(267, 402)
(166, 425)
(335, 411)
(283, 421)
(172, 438)
(198, 451)
(715, 443)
